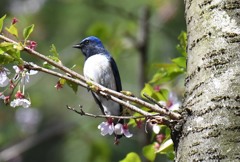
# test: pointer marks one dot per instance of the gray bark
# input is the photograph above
(212, 128)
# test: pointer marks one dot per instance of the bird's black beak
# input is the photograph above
(77, 46)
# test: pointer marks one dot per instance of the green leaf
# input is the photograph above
(54, 52)
(73, 67)
(157, 95)
(6, 45)
(171, 155)
(10, 51)
(1, 22)
(131, 157)
(1, 51)
(54, 57)
(13, 30)
(48, 66)
(162, 95)
(180, 61)
(166, 73)
(6, 59)
(166, 147)
(149, 152)
(182, 46)
(72, 85)
(148, 89)
(62, 81)
(27, 31)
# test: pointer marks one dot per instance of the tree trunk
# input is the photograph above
(212, 128)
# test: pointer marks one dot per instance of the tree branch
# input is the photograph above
(80, 80)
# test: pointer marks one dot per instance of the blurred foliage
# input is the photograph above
(65, 22)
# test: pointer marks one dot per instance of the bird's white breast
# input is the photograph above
(98, 69)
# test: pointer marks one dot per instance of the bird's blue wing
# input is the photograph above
(118, 82)
(116, 74)
(98, 102)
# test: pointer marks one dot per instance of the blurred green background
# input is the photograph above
(48, 132)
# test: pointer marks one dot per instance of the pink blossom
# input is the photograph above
(31, 44)
(157, 88)
(139, 123)
(19, 95)
(120, 129)
(160, 138)
(172, 103)
(58, 85)
(20, 102)
(14, 20)
(4, 80)
(106, 127)
(126, 131)
(6, 99)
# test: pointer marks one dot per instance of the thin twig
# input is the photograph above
(32, 66)
(156, 118)
(154, 101)
(82, 113)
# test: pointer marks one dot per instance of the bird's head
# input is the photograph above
(91, 46)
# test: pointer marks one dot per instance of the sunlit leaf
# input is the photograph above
(1, 22)
(160, 95)
(148, 89)
(167, 131)
(149, 152)
(48, 66)
(73, 66)
(166, 147)
(54, 57)
(182, 46)
(27, 31)
(5, 44)
(62, 81)
(72, 85)
(131, 157)
(18, 46)
(5, 59)
(11, 52)
(54, 52)
(171, 155)
(166, 73)
(12, 30)
(1, 51)
(180, 61)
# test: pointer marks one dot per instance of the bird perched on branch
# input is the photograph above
(101, 68)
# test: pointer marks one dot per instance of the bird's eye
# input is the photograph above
(87, 42)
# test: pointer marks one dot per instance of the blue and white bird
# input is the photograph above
(101, 68)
